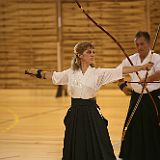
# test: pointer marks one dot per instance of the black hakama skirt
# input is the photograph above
(142, 140)
(86, 134)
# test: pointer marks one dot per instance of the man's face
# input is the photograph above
(142, 46)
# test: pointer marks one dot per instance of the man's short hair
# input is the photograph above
(143, 34)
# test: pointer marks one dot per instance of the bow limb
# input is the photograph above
(147, 73)
(146, 76)
(152, 51)
(105, 31)
(113, 38)
(134, 110)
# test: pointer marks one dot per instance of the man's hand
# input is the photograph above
(147, 66)
(124, 88)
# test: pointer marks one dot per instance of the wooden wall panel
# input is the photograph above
(28, 39)
(28, 34)
(116, 17)
(155, 21)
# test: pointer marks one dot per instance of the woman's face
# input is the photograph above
(88, 56)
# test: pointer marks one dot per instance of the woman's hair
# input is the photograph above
(78, 50)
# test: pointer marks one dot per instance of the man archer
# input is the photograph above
(142, 138)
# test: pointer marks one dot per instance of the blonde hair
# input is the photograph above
(79, 48)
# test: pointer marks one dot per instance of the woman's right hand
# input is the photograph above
(32, 72)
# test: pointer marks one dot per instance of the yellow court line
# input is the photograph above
(9, 157)
(15, 120)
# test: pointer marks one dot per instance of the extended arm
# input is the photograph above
(130, 69)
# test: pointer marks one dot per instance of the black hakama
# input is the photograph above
(142, 140)
(86, 134)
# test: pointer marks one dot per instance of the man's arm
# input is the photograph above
(153, 77)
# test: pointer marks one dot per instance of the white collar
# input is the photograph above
(146, 59)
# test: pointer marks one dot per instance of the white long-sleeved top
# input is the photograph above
(155, 58)
(86, 85)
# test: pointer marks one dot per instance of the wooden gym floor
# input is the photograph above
(31, 122)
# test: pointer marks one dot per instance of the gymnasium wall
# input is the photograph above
(29, 35)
